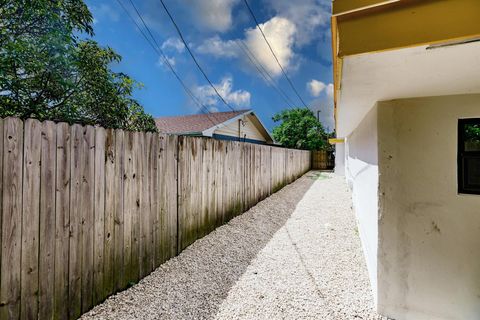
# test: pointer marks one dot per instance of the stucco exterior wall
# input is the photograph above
(361, 171)
(340, 159)
(429, 235)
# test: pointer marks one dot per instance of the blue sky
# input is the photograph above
(298, 30)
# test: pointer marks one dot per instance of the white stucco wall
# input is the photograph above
(340, 159)
(361, 171)
(429, 235)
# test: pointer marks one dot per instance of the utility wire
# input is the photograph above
(193, 56)
(272, 80)
(162, 55)
(273, 53)
(268, 78)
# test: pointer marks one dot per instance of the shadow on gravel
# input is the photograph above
(194, 284)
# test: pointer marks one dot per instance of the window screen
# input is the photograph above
(469, 156)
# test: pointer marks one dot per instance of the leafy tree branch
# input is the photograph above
(48, 72)
(299, 128)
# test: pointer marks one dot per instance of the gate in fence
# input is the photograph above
(323, 160)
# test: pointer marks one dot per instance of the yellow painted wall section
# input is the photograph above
(407, 23)
(249, 129)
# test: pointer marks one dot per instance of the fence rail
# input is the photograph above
(86, 211)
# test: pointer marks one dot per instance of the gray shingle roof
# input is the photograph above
(195, 123)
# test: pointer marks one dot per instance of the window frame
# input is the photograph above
(462, 155)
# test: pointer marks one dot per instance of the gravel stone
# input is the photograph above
(295, 255)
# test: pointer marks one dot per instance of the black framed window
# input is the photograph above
(469, 156)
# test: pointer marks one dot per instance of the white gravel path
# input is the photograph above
(295, 255)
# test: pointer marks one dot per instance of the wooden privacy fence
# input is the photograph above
(85, 211)
(323, 160)
(218, 180)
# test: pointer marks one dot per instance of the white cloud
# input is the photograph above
(162, 63)
(212, 15)
(219, 48)
(280, 34)
(330, 91)
(237, 98)
(316, 87)
(308, 16)
(104, 11)
(173, 44)
(324, 104)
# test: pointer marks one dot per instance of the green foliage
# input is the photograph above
(472, 132)
(300, 129)
(48, 72)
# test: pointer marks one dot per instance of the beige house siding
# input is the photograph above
(248, 130)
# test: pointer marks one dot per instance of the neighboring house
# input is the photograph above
(242, 125)
(407, 105)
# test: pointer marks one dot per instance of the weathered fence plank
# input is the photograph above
(11, 219)
(62, 220)
(47, 221)
(109, 213)
(152, 200)
(99, 217)
(144, 212)
(161, 234)
(75, 248)
(206, 184)
(129, 201)
(171, 187)
(219, 159)
(87, 216)
(119, 210)
(196, 203)
(31, 215)
(184, 184)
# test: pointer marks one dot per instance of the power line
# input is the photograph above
(273, 53)
(162, 55)
(158, 50)
(241, 44)
(193, 56)
(265, 70)
(284, 97)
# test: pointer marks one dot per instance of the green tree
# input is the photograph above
(50, 70)
(300, 129)
(472, 132)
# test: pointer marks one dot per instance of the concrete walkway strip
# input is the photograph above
(295, 255)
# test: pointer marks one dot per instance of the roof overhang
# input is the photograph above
(364, 31)
(406, 73)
